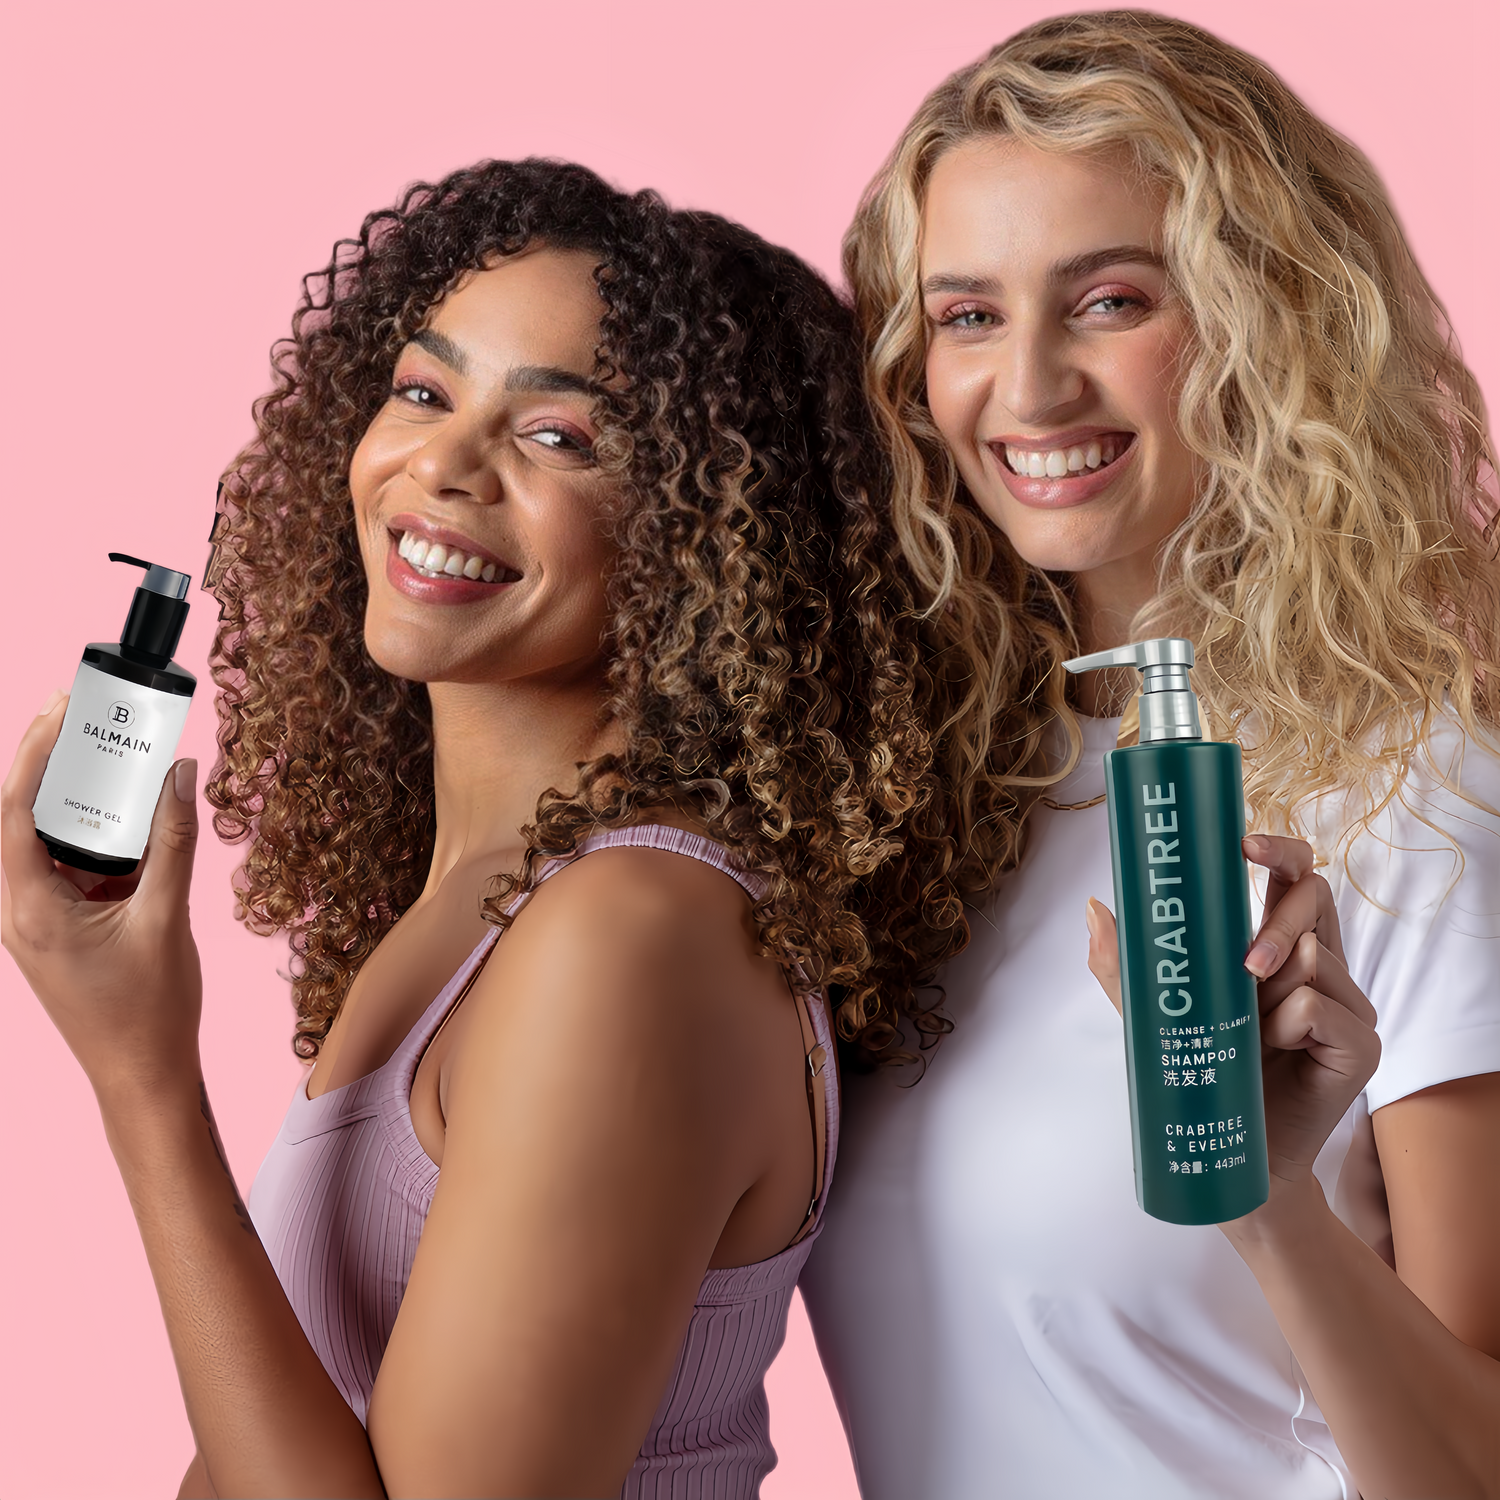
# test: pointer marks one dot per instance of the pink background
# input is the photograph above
(171, 172)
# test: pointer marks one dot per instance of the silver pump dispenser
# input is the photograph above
(1168, 705)
(167, 582)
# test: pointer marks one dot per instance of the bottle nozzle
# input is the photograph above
(159, 580)
(157, 613)
(1165, 651)
(1169, 707)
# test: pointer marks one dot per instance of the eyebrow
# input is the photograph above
(1096, 260)
(542, 380)
(548, 380)
(441, 347)
(1060, 272)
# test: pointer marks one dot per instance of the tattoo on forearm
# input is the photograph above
(213, 1134)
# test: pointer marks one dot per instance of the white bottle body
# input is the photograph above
(118, 741)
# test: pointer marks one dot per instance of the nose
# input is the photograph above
(1036, 374)
(455, 463)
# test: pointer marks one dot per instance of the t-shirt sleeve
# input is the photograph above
(1418, 898)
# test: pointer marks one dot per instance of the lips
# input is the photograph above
(442, 560)
(1062, 460)
(1065, 469)
(438, 565)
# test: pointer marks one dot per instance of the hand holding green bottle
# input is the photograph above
(1318, 1041)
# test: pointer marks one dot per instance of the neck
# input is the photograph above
(496, 749)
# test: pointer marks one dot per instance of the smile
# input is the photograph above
(435, 560)
(1058, 463)
(1068, 474)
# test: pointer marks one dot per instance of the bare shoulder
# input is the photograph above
(629, 952)
(628, 908)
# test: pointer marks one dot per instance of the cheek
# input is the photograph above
(576, 538)
(1157, 374)
(955, 397)
(1178, 472)
(365, 470)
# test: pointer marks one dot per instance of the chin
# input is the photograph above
(1053, 548)
(402, 652)
(407, 665)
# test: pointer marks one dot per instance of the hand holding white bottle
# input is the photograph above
(124, 718)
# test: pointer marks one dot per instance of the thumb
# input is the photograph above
(167, 869)
(1104, 952)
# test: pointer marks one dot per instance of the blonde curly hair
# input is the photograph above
(1337, 567)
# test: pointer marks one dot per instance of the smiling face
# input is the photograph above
(1053, 358)
(480, 510)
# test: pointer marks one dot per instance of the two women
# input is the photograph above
(1150, 356)
(1153, 358)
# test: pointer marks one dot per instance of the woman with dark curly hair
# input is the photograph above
(553, 605)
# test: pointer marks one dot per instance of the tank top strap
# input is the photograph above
(660, 836)
(640, 836)
(812, 1009)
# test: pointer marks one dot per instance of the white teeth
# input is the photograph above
(1057, 463)
(436, 560)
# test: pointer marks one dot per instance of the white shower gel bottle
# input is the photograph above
(119, 735)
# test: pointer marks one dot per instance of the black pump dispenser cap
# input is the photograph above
(157, 613)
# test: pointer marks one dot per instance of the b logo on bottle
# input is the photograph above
(121, 715)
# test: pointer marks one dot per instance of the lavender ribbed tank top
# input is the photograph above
(343, 1193)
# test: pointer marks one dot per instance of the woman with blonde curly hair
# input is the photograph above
(553, 606)
(1153, 358)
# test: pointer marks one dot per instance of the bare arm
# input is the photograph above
(602, 1123)
(196, 1485)
(605, 1115)
(1414, 1408)
(1442, 1180)
(118, 973)
(253, 1386)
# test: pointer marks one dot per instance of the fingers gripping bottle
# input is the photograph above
(119, 735)
(1182, 905)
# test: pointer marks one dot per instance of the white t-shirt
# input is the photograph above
(997, 1316)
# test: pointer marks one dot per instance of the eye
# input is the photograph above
(965, 315)
(413, 392)
(1113, 302)
(559, 439)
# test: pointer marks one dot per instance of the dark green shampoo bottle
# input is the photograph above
(1182, 908)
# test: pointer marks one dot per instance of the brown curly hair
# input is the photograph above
(764, 662)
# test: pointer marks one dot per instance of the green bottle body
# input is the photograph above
(1192, 1025)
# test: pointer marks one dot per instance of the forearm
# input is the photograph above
(196, 1484)
(1414, 1410)
(267, 1419)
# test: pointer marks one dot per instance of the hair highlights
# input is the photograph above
(763, 655)
(1337, 569)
